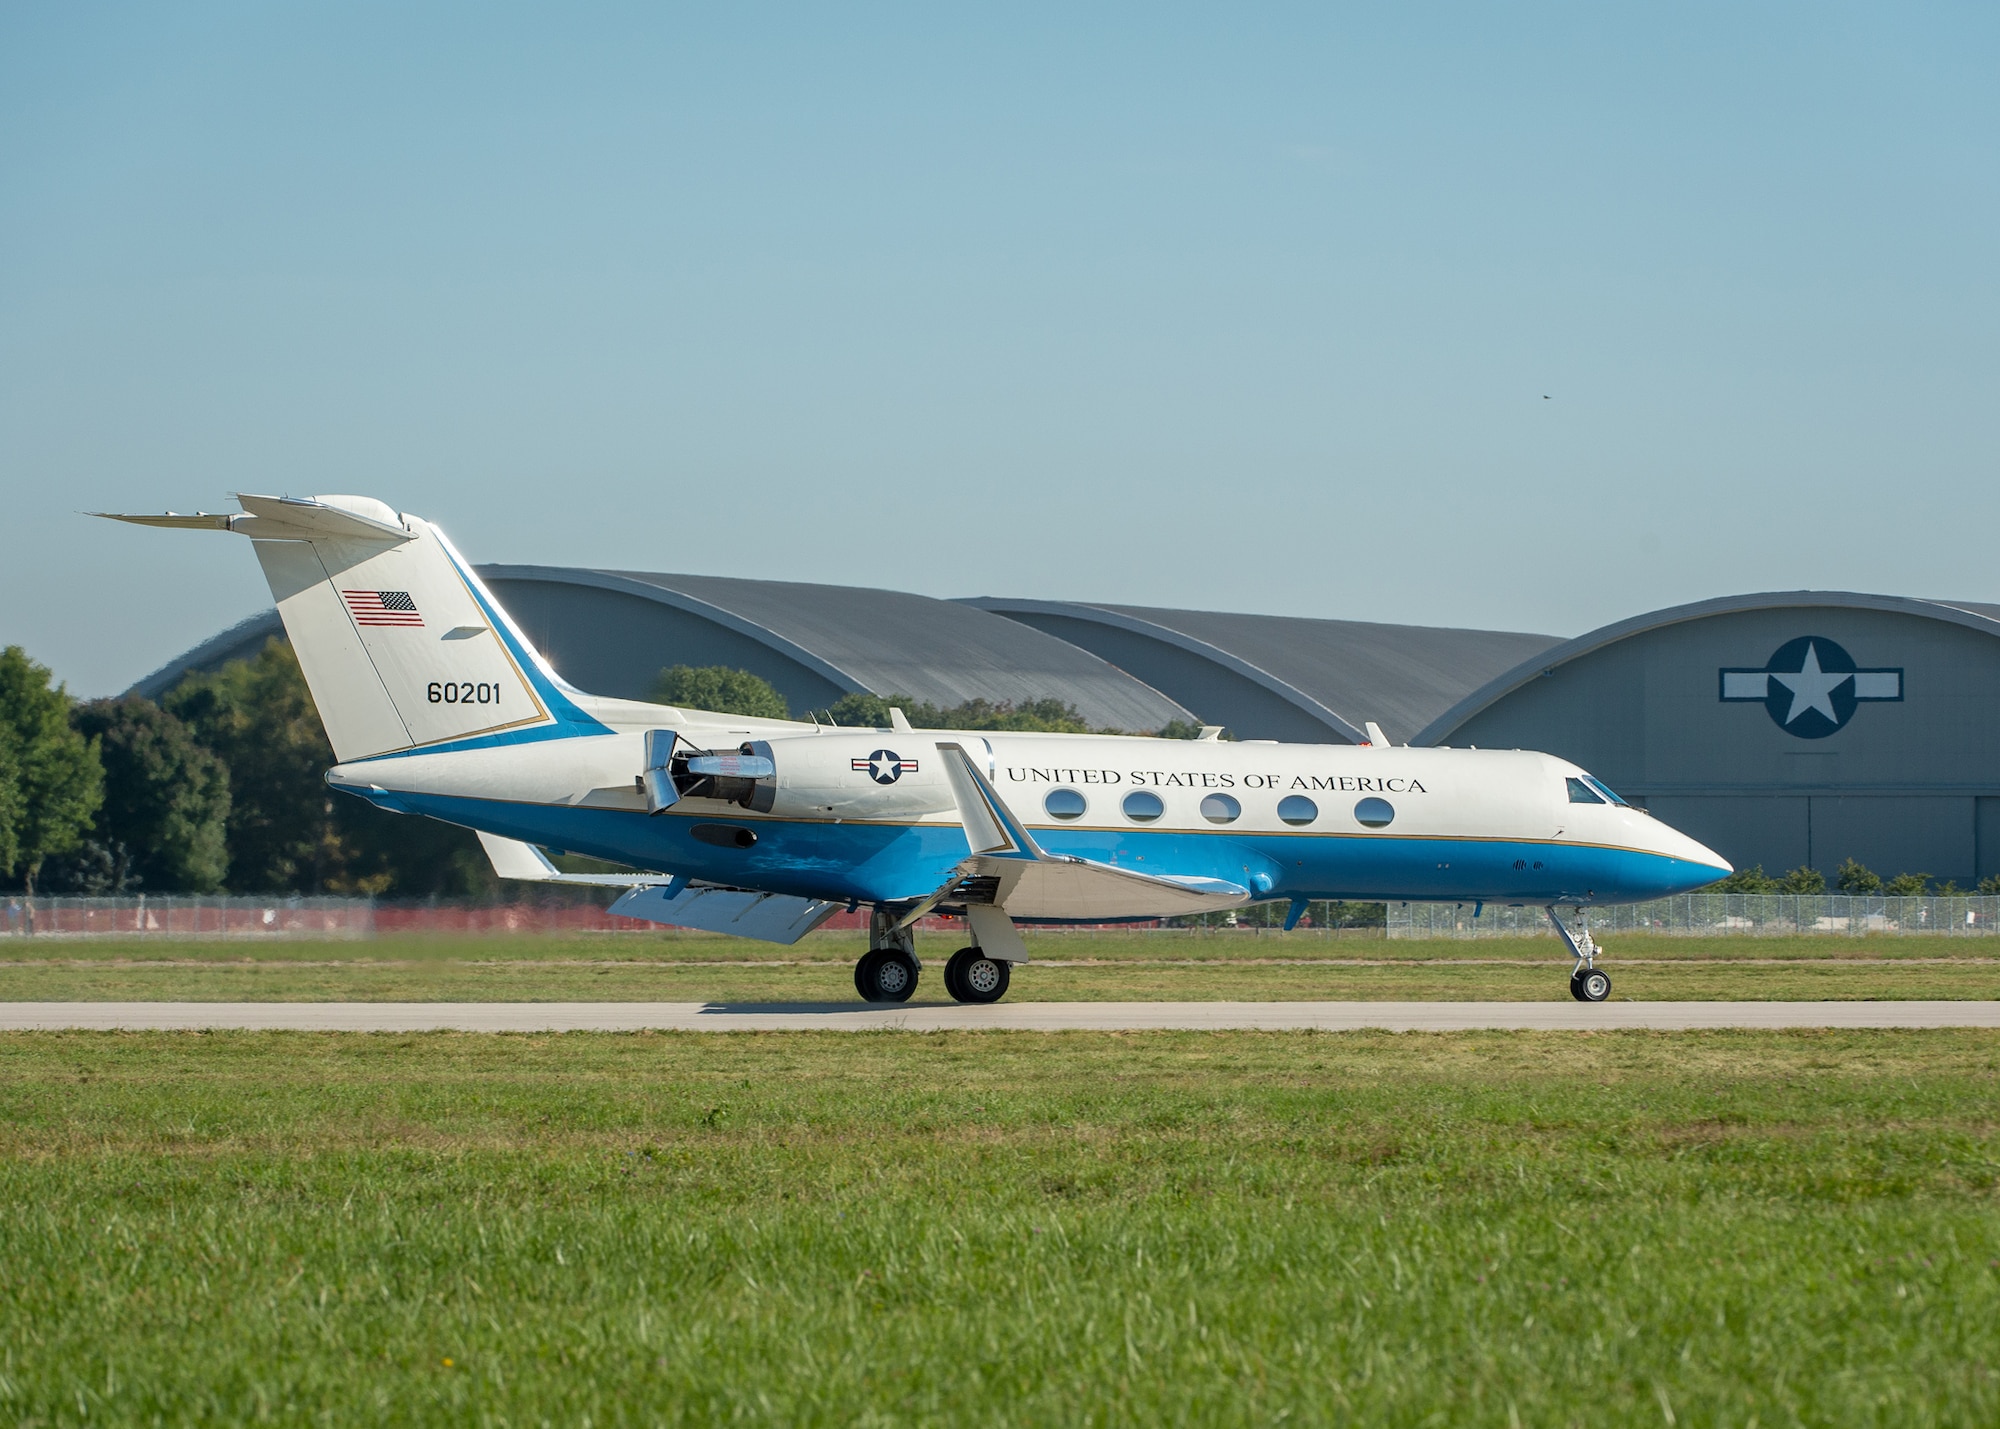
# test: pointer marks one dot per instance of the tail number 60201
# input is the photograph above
(464, 692)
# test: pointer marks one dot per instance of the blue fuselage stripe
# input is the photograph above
(871, 861)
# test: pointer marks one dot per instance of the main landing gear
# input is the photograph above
(889, 971)
(1589, 982)
(886, 975)
(971, 976)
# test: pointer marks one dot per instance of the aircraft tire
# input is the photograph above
(864, 977)
(951, 967)
(1590, 985)
(893, 977)
(971, 976)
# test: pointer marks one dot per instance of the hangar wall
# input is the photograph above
(1909, 783)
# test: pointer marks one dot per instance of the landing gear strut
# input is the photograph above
(1588, 982)
(889, 971)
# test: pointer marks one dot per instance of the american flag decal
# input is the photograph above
(382, 607)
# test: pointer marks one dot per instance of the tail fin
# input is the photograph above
(402, 645)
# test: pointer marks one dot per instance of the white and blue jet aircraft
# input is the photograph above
(437, 705)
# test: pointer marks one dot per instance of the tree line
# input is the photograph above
(729, 691)
(1851, 877)
(216, 786)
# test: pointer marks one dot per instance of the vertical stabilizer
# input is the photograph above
(402, 645)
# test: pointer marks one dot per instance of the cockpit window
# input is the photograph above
(1605, 789)
(1582, 793)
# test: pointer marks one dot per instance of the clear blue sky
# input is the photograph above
(1237, 307)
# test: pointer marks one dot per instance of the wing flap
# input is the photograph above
(766, 917)
(1081, 890)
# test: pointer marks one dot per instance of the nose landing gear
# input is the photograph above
(1589, 982)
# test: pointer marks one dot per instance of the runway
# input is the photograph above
(1006, 1016)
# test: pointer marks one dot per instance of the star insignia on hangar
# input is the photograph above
(1811, 687)
(885, 766)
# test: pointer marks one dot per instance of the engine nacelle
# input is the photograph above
(871, 774)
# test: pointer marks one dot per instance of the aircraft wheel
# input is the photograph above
(1590, 984)
(951, 968)
(971, 976)
(886, 976)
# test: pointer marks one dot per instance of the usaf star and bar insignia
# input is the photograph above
(885, 766)
(1811, 687)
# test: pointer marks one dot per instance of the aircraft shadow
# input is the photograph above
(753, 1009)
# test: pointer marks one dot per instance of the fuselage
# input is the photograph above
(869, 816)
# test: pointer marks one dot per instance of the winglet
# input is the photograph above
(990, 826)
(1375, 735)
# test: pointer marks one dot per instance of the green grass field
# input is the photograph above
(1072, 967)
(1539, 1229)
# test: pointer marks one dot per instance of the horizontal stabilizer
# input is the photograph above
(523, 861)
(173, 520)
(767, 917)
(288, 518)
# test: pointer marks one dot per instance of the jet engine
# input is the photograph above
(863, 775)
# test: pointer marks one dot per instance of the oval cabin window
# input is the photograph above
(1220, 809)
(1297, 809)
(1375, 813)
(1064, 804)
(1142, 806)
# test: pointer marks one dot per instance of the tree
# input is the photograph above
(1746, 880)
(1852, 877)
(58, 780)
(1803, 879)
(721, 690)
(1049, 715)
(1990, 883)
(1908, 885)
(10, 802)
(288, 832)
(164, 823)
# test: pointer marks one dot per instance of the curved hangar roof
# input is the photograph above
(610, 632)
(1286, 677)
(1785, 728)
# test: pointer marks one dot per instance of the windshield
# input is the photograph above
(1605, 789)
(1582, 793)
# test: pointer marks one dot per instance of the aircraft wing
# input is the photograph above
(513, 859)
(1033, 883)
(657, 898)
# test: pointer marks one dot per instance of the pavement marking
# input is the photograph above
(1015, 1016)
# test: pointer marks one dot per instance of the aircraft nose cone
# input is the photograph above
(1693, 865)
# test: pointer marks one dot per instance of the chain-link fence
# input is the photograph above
(1708, 915)
(188, 916)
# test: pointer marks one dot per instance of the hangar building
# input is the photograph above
(1780, 729)
(1800, 727)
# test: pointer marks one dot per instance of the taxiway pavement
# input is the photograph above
(1005, 1016)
